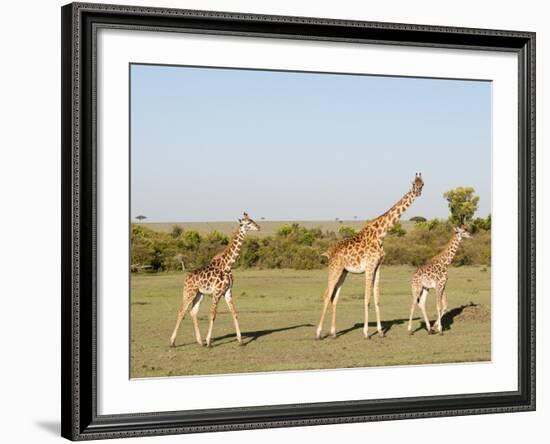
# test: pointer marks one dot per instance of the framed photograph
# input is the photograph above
(275, 221)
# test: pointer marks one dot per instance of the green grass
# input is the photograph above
(268, 227)
(278, 314)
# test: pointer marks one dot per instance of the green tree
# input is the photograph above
(462, 204)
(418, 219)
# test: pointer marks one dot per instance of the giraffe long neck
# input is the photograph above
(231, 253)
(448, 254)
(387, 220)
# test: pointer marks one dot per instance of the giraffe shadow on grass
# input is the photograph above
(386, 326)
(448, 318)
(251, 336)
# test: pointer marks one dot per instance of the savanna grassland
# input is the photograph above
(278, 313)
(269, 227)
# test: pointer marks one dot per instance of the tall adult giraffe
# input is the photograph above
(363, 253)
(215, 279)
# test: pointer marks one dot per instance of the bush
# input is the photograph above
(397, 230)
(176, 231)
(479, 224)
(346, 231)
(294, 246)
(426, 239)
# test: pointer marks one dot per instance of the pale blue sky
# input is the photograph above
(208, 144)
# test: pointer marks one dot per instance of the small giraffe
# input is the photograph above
(215, 279)
(434, 275)
(363, 253)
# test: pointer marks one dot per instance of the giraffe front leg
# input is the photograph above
(444, 303)
(333, 323)
(439, 300)
(368, 292)
(376, 287)
(194, 314)
(232, 309)
(213, 313)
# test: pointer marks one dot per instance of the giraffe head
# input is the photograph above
(462, 233)
(248, 224)
(417, 184)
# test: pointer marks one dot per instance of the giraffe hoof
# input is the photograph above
(410, 333)
(381, 334)
(441, 333)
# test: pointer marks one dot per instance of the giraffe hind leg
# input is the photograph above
(439, 301)
(334, 300)
(333, 277)
(376, 294)
(416, 292)
(422, 305)
(188, 294)
(213, 313)
(233, 310)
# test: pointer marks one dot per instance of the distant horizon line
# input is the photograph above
(235, 220)
(274, 220)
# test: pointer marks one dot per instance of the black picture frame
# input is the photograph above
(79, 170)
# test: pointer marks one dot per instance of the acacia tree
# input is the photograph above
(141, 217)
(462, 204)
(418, 219)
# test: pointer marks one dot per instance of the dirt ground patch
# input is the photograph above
(474, 312)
